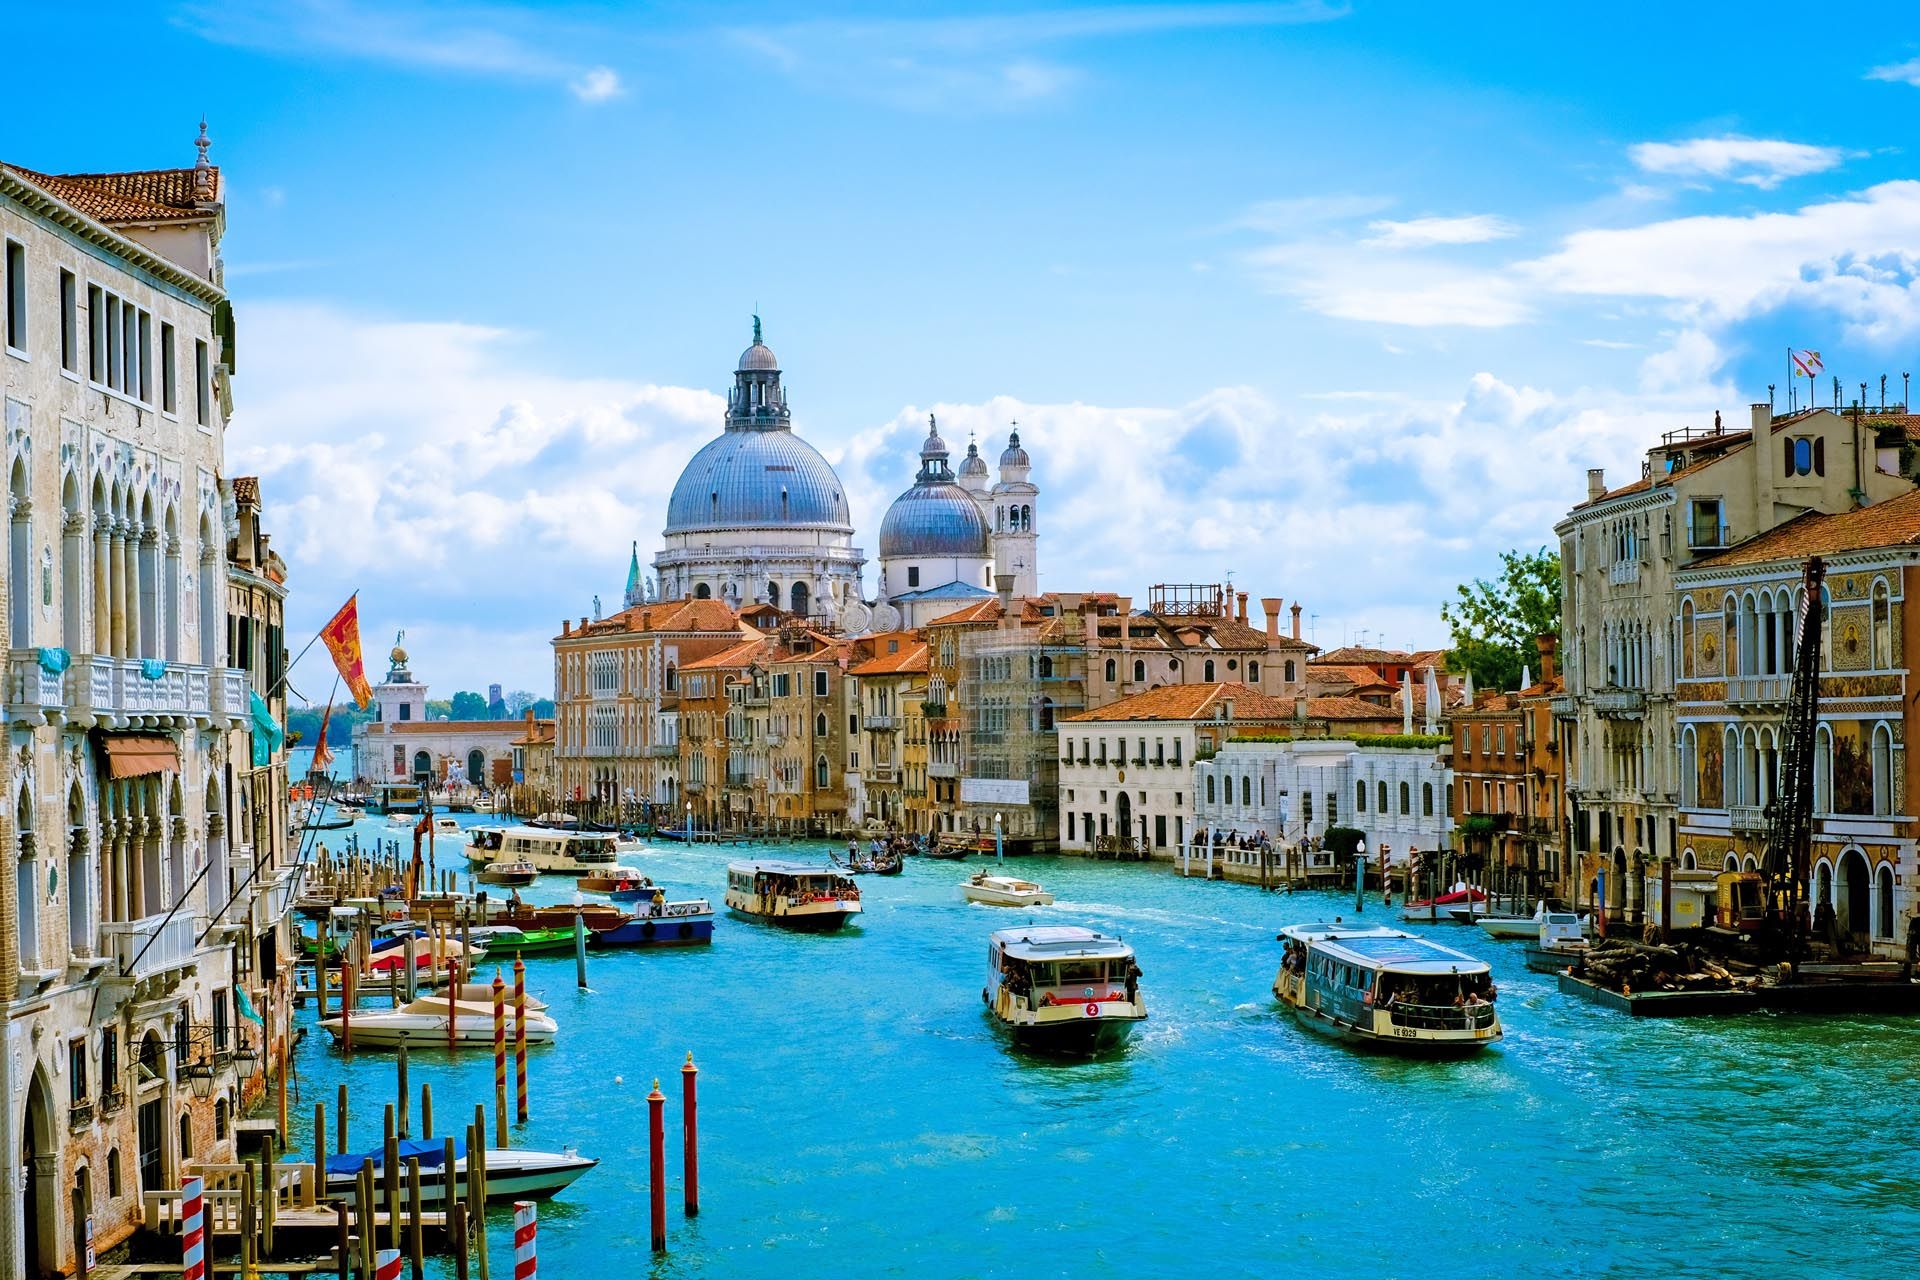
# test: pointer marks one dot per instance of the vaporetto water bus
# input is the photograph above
(571, 853)
(794, 895)
(1388, 988)
(1063, 989)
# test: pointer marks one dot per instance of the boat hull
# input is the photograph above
(1074, 1038)
(370, 1031)
(1509, 927)
(1553, 959)
(684, 931)
(1001, 898)
(826, 916)
(515, 1180)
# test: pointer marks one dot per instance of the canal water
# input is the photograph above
(861, 1117)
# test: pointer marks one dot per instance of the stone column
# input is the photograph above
(125, 888)
(82, 908)
(117, 574)
(9, 929)
(131, 572)
(102, 592)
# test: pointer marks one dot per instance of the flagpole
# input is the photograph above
(287, 672)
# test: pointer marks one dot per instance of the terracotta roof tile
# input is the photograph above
(142, 195)
(1895, 522)
(740, 655)
(1343, 708)
(1193, 702)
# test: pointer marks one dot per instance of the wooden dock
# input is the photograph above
(1661, 1004)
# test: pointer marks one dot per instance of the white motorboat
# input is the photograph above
(402, 819)
(352, 813)
(1004, 891)
(424, 1022)
(482, 993)
(795, 895)
(1513, 927)
(446, 824)
(512, 1173)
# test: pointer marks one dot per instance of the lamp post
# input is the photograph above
(1359, 875)
(999, 848)
(689, 822)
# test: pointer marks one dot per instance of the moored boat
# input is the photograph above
(1063, 989)
(509, 940)
(1560, 941)
(424, 1022)
(1510, 927)
(1388, 988)
(688, 923)
(1442, 907)
(512, 1173)
(1004, 891)
(794, 895)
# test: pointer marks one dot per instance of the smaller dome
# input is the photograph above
(759, 358)
(934, 519)
(974, 466)
(1015, 456)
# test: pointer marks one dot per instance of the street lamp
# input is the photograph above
(1359, 875)
(999, 848)
(689, 822)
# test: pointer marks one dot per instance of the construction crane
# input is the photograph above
(1790, 812)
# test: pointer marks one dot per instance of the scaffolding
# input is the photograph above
(1015, 685)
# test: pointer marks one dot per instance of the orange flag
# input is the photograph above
(343, 642)
(321, 756)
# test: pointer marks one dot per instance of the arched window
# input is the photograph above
(1883, 903)
(673, 677)
(1730, 619)
(1823, 770)
(1246, 790)
(1253, 672)
(1882, 769)
(820, 773)
(1210, 798)
(1406, 799)
(1686, 640)
(1882, 626)
(1113, 670)
(1689, 767)
(1208, 672)
(773, 594)
(220, 1120)
(1289, 671)
(1139, 670)
(422, 762)
(1380, 794)
(702, 591)
(800, 600)
(1359, 797)
(820, 725)
(1426, 799)
(1046, 667)
(1686, 860)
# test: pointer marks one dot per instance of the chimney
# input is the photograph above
(1003, 583)
(566, 628)
(1596, 483)
(1548, 644)
(1299, 706)
(1761, 455)
(1272, 606)
(1296, 622)
(1243, 606)
(529, 717)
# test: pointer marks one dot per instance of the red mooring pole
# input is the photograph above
(657, 1163)
(690, 1133)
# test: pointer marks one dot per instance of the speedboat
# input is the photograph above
(1507, 926)
(1004, 891)
(1063, 989)
(794, 895)
(424, 1022)
(401, 820)
(687, 923)
(482, 993)
(446, 825)
(1387, 988)
(616, 880)
(517, 874)
(1442, 907)
(512, 1173)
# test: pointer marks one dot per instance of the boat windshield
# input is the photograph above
(1436, 1002)
(1070, 981)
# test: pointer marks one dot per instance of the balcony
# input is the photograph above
(1748, 817)
(35, 695)
(882, 723)
(883, 773)
(1620, 704)
(1622, 572)
(942, 769)
(149, 947)
(1752, 690)
(132, 692)
(663, 750)
(1563, 706)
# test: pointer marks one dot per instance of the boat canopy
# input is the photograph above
(784, 869)
(431, 1152)
(1388, 950)
(1059, 942)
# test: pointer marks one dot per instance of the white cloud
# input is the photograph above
(1758, 162)
(597, 84)
(1424, 233)
(498, 41)
(1907, 72)
(1361, 281)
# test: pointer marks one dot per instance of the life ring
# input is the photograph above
(686, 930)
(1093, 1010)
(646, 930)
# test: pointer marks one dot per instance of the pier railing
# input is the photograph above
(294, 1188)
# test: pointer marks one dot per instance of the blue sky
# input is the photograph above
(1338, 299)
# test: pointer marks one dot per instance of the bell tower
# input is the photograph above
(1015, 501)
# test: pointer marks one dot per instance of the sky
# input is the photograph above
(1339, 300)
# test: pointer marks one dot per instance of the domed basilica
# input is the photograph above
(759, 517)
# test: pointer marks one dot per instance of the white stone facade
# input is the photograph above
(1296, 789)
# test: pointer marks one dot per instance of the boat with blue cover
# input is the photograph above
(660, 923)
(512, 1173)
(1388, 988)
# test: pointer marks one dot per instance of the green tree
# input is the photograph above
(543, 709)
(1494, 623)
(469, 706)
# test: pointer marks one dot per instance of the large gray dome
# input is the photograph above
(934, 520)
(758, 479)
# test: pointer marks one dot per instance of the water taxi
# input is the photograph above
(513, 875)
(1063, 989)
(1388, 988)
(1004, 891)
(572, 853)
(797, 895)
(424, 1022)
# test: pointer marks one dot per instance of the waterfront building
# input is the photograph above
(704, 685)
(1396, 788)
(889, 681)
(1126, 770)
(1699, 493)
(401, 744)
(1191, 633)
(1736, 623)
(1491, 796)
(535, 780)
(144, 912)
(617, 700)
(1547, 740)
(758, 516)
(809, 734)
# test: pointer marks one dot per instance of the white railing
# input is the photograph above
(119, 688)
(877, 722)
(1748, 817)
(32, 690)
(941, 769)
(1623, 571)
(1619, 702)
(1758, 688)
(155, 944)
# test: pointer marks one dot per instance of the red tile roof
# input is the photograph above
(1342, 708)
(1193, 702)
(1893, 523)
(139, 196)
(666, 615)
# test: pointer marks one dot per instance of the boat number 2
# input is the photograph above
(1093, 1010)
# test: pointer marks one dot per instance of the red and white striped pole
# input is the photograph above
(525, 1227)
(386, 1265)
(193, 1228)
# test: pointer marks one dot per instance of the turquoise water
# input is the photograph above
(860, 1116)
